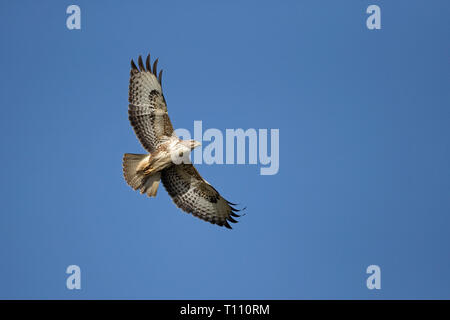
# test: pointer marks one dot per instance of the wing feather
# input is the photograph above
(194, 195)
(147, 110)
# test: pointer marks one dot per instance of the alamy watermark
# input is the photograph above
(373, 22)
(241, 147)
(374, 280)
(73, 281)
(73, 21)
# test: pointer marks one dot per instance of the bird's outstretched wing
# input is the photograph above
(193, 194)
(147, 110)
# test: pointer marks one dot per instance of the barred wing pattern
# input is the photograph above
(191, 193)
(147, 110)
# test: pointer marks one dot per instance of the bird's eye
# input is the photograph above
(180, 154)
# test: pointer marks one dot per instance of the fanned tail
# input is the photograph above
(133, 172)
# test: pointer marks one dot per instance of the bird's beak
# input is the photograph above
(197, 144)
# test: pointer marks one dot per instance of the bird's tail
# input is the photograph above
(133, 171)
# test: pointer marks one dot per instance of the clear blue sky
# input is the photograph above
(364, 120)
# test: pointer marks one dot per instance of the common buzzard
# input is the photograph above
(167, 156)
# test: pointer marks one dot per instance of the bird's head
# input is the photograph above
(189, 145)
(194, 144)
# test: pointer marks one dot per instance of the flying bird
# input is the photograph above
(147, 112)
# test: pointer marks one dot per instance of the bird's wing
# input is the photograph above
(193, 194)
(147, 110)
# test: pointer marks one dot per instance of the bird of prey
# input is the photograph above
(147, 112)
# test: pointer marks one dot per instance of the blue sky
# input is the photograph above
(364, 149)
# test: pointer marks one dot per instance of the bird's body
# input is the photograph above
(167, 160)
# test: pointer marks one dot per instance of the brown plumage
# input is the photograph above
(148, 116)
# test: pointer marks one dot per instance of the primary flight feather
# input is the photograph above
(148, 116)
